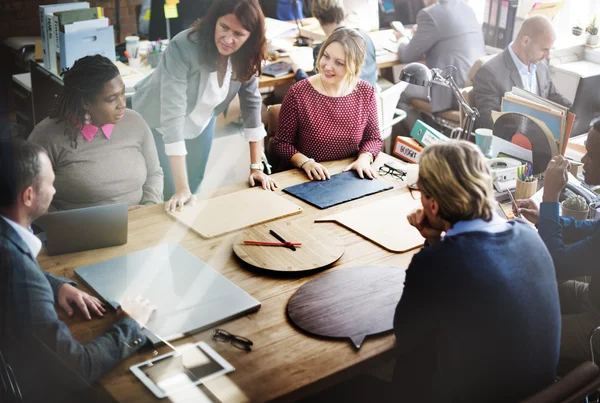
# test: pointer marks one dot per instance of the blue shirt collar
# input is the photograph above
(520, 65)
(496, 224)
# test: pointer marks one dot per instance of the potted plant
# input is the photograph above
(594, 38)
(577, 30)
(576, 207)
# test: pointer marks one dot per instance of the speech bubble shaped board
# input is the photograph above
(349, 303)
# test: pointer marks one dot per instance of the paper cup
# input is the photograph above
(135, 62)
(483, 139)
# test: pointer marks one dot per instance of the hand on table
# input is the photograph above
(265, 180)
(69, 295)
(362, 165)
(529, 209)
(315, 171)
(555, 178)
(180, 198)
(418, 219)
(139, 309)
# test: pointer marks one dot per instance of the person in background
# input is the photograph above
(331, 16)
(102, 153)
(331, 115)
(574, 247)
(447, 34)
(200, 73)
(285, 10)
(33, 340)
(479, 318)
(521, 65)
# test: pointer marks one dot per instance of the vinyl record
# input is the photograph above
(523, 131)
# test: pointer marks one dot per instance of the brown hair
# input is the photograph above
(328, 11)
(82, 82)
(248, 59)
(354, 46)
(456, 175)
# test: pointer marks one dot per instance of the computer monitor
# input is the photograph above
(363, 14)
(586, 106)
(188, 11)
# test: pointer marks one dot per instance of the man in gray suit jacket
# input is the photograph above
(48, 363)
(521, 65)
(448, 34)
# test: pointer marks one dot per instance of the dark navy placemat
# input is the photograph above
(340, 188)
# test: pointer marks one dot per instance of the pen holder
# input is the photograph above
(135, 62)
(153, 59)
(525, 190)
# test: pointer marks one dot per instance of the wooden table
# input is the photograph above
(285, 363)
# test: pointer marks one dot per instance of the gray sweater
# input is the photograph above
(122, 169)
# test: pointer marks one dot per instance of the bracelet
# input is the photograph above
(305, 161)
(257, 167)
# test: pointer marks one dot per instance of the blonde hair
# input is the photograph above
(456, 175)
(354, 46)
(328, 11)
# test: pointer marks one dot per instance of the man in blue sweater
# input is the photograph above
(479, 319)
(574, 246)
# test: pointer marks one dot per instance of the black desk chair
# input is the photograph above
(10, 391)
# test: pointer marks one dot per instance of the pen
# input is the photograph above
(262, 243)
(279, 238)
(514, 203)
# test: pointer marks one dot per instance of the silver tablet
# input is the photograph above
(178, 370)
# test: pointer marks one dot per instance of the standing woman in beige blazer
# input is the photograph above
(200, 73)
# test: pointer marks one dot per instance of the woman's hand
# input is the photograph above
(362, 165)
(315, 171)
(555, 178)
(265, 180)
(180, 198)
(418, 219)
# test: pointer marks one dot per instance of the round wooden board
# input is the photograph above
(318, 249)
(349, 303)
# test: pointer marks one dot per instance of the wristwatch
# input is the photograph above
(258, 167)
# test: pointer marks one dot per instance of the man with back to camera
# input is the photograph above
(575, 248)
(33, 340)
(479, 318)
(521, 65)
(447, 34)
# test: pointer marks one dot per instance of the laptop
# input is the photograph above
(190, 296)
(84, 229)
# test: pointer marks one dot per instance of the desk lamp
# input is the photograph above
(419, 74)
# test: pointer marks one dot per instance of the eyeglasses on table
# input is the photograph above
(238, 341)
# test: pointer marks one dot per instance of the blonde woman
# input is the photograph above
(485, 292)
(332, 115)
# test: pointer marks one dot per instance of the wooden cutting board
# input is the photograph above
(224, 214)
(383, 222)
(318, 249)
(349, 303)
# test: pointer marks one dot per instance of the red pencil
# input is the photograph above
(262, 243)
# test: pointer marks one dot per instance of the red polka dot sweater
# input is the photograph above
(327, 128)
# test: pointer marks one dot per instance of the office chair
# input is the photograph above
(388, 113)
(10, 391)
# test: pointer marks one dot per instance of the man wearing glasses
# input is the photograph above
(479, 319)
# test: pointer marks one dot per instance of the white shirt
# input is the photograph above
(203, 112)
(528, 76)
(32, 241)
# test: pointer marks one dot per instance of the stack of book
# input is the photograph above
(73, 30)
(421, 135)
(557, 119)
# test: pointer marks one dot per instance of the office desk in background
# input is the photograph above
(285, 363)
